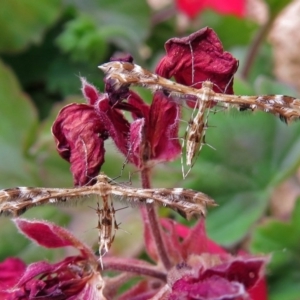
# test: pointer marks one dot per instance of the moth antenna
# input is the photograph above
(125, 163)
(119, 228)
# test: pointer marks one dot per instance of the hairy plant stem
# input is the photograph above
(115, 264)
(150, 219)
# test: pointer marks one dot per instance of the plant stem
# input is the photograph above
(254, 48)
(150, 219)
(134, 266)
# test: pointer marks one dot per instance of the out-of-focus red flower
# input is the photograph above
(75, 277)
(230, 7)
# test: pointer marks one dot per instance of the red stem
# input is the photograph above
(113, 263)
(150, 219)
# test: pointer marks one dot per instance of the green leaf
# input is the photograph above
(232, 31)
(254, 153)
(272, 237)
(17, 130)
(63, 76)
(276, 6)
(123, 23)
(263, 63)
(83, 40)
(263, 85)
(282, 240)
(19, 164)
(25, 22)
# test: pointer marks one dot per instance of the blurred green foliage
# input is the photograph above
(281, 240)
(46, 45)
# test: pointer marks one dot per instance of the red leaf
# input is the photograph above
(196, 242)
(154, 133)
(137, 151)
(79, 136)
(90, 93)
(259, 291)
(34, 270)
(162, 133)
(214, 288)
(115, 124)
(196, 58)
(50, 235)
(11, 270)
(216, 277)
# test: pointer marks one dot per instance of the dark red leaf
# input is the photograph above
(196, 58)
(11, 270)
(34, 270)
(79, 136)
(196, 241)
(154, 133)
(162, 133)
(72, 277)
(214, 288)
(244, 269)
(50, 235)
(90, 93)
(138, 154)
(115, 124)
(259, 291)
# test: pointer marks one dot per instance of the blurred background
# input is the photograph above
(254, 172)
